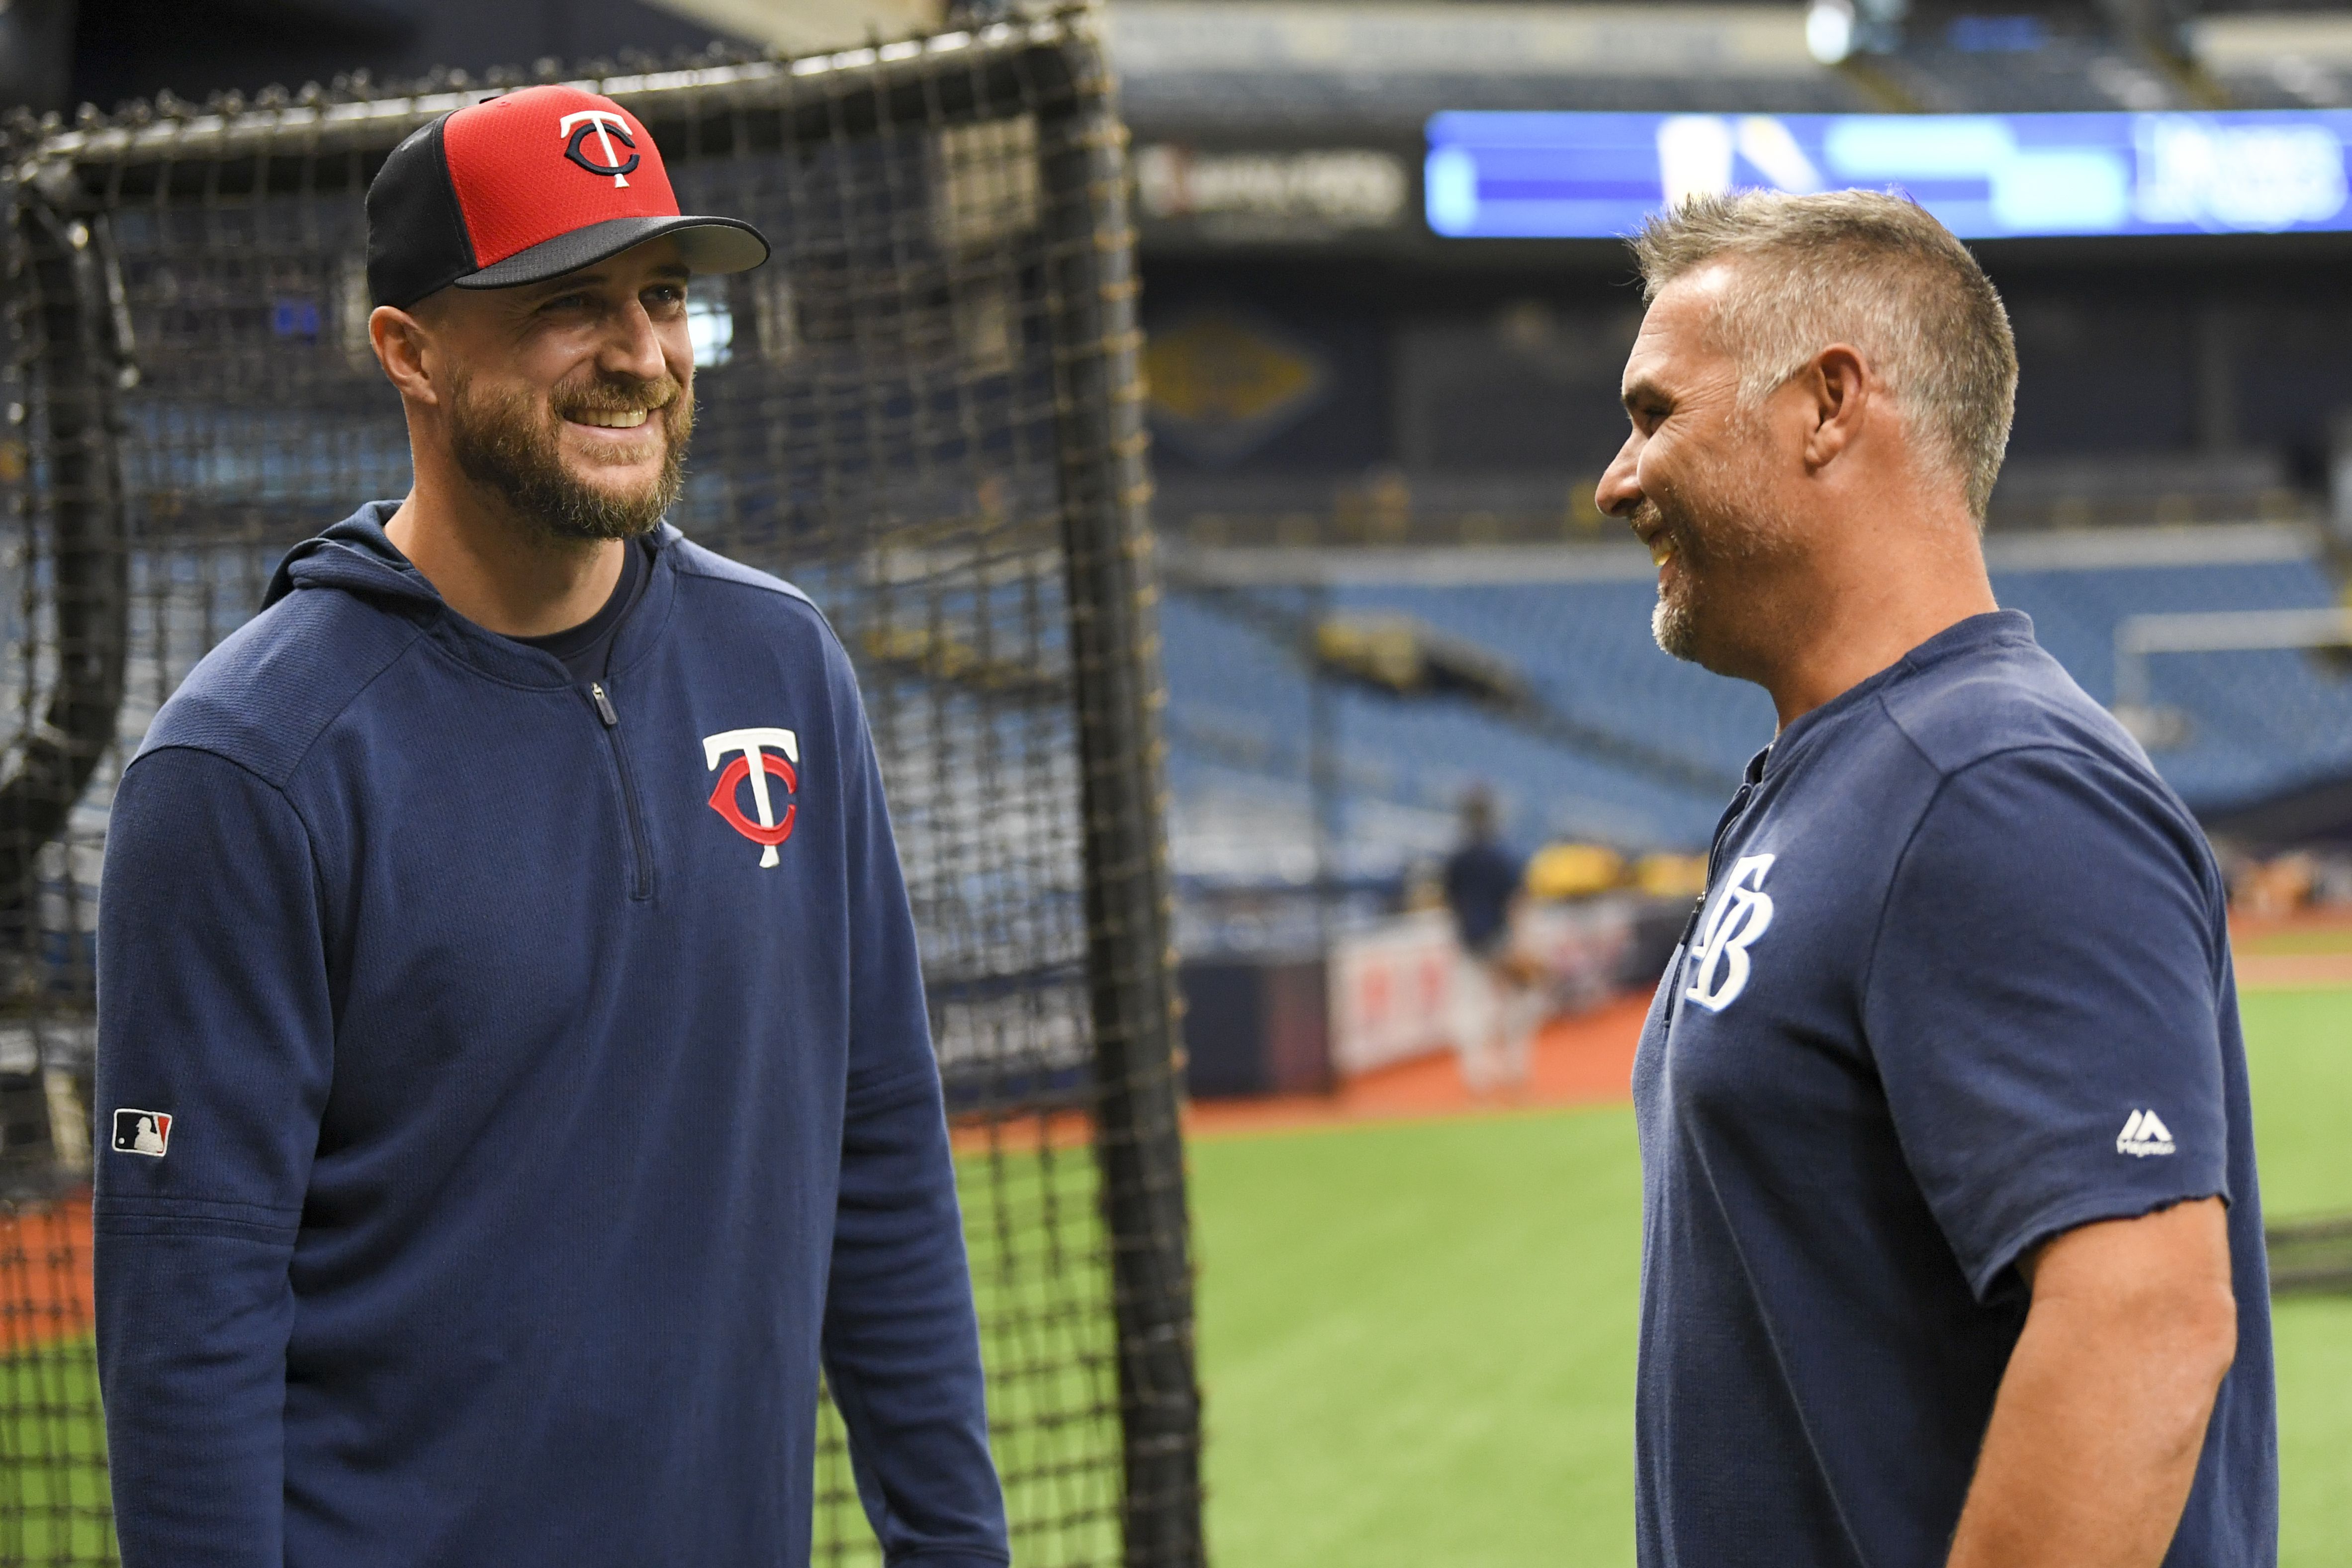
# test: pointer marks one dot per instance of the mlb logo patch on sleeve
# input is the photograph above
(141, 1133)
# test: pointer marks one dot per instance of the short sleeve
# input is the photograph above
(2042, 1004)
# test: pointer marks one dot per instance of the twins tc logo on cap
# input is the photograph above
(527, 186)
(755, 764)
(608, 126)
(143, 1132)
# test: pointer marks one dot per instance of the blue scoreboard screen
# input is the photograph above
(1577, 177)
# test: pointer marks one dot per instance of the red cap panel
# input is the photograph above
(545, 161)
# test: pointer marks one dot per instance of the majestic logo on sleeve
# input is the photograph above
(755, 763)
(143, 1132)
(607, 128)
(2143, 1135)
(1737, 913)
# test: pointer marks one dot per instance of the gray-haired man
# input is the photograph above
(1952, 1247)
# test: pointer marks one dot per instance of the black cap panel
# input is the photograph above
(710, 245)
(417, 243)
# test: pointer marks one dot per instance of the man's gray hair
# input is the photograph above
(1862, 267)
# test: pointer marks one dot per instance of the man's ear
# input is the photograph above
(1838, 386)
(402, 344)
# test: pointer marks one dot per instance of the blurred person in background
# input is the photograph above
(1496, 1000)
(1952, 1249)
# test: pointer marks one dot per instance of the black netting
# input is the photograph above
(923, 411)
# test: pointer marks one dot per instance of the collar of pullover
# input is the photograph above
(356, 557)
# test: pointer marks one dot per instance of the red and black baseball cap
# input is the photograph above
(528, 186)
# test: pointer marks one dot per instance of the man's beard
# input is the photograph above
(508, 443)
(1716, 546)
(1675, 619)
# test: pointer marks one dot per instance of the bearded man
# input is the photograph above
(532, 1115)
(1952, 1250)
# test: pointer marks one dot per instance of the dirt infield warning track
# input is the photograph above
(2294, 970)
(45, 1276)
(2304, 952)
(1583, 1060)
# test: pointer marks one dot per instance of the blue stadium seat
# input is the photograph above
(2257, 722)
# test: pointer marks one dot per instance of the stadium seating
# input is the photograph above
(2259, 723)
(2255, 722)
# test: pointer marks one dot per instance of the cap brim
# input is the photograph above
(710, 245)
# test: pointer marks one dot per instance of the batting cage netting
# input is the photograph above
(925, 412)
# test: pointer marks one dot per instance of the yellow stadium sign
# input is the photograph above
(1221, 384)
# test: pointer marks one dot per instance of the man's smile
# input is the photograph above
(1657, 537)
(610, 418)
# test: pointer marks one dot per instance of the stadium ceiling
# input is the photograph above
(1293, 123)
(805, 26)
(1313, 69)
(1165, 37)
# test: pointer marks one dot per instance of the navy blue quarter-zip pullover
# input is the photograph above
(511, 1087)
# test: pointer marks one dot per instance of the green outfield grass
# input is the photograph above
(1418, 1340)
(2299, 1050)
(53, 1501)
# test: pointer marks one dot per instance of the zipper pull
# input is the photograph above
(604, 704)
(1690, 926)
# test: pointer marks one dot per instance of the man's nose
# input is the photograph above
(1619, 489)
(633, 347)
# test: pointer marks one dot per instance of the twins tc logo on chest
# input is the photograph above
(1736, 914)
(757, 762)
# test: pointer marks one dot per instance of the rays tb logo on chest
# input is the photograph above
(761, 756)
(1737, 915)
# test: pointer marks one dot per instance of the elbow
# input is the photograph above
(2174, 1348)
(2201, 1346)
(2173, 1342)
(2207, 1322)
(2188, 1342)
(2143, 1311)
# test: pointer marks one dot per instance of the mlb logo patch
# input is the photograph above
(143, 1132)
